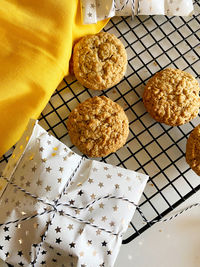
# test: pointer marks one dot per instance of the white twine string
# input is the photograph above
(169, 218)
(56, 205)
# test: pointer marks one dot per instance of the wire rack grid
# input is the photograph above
(152, 43)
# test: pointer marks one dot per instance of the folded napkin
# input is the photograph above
(36, 39)
(61, 209)
(94, 11)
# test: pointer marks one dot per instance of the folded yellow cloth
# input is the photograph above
(36, 39)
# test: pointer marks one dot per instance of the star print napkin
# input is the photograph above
(96, 10)
(61, 209)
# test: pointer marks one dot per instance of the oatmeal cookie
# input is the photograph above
(193, 150)
(99, 61)
(98, 126)
(171, 96)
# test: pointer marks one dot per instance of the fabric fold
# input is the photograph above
(35, 49)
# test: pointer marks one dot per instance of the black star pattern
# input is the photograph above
(54, 260)
(109, 252)
(58, 240)
(90, 180)
(57, 229)
(41, 149)
(71, 202)
(59, 254)
(44, 252)
(28, 184)
(80, 193)
(44, 160)
(20, 263)
(35, 245)
(43, 262)
(7, 237)
(61, 169)
(20, 253)
(1, 247)
(71, 153)
(61, 212)
(7, 254)
(34, 169)
(6, 229)
(102, 265)
(89, 242)
(65, 158)
(59, 180)
(104, 244)
(48, 169)
(72, 245)
(117, 186)
(48, 223)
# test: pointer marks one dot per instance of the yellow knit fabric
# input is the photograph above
(36, 39)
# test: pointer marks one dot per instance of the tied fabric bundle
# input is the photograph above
(61, 209)
(36, 39)
(97, 10)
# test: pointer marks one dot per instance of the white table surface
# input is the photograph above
(170, 244)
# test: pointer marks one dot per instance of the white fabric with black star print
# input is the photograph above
(61, 209)
(95, 10)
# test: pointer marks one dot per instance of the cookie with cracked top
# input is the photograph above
(99, 61)
(171, 96)
(98, 126)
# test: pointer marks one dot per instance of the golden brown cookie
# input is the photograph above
(193, 150)
(99, 61)
(171, 96)
(98, 126)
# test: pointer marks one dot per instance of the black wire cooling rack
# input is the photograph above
(152, 43)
